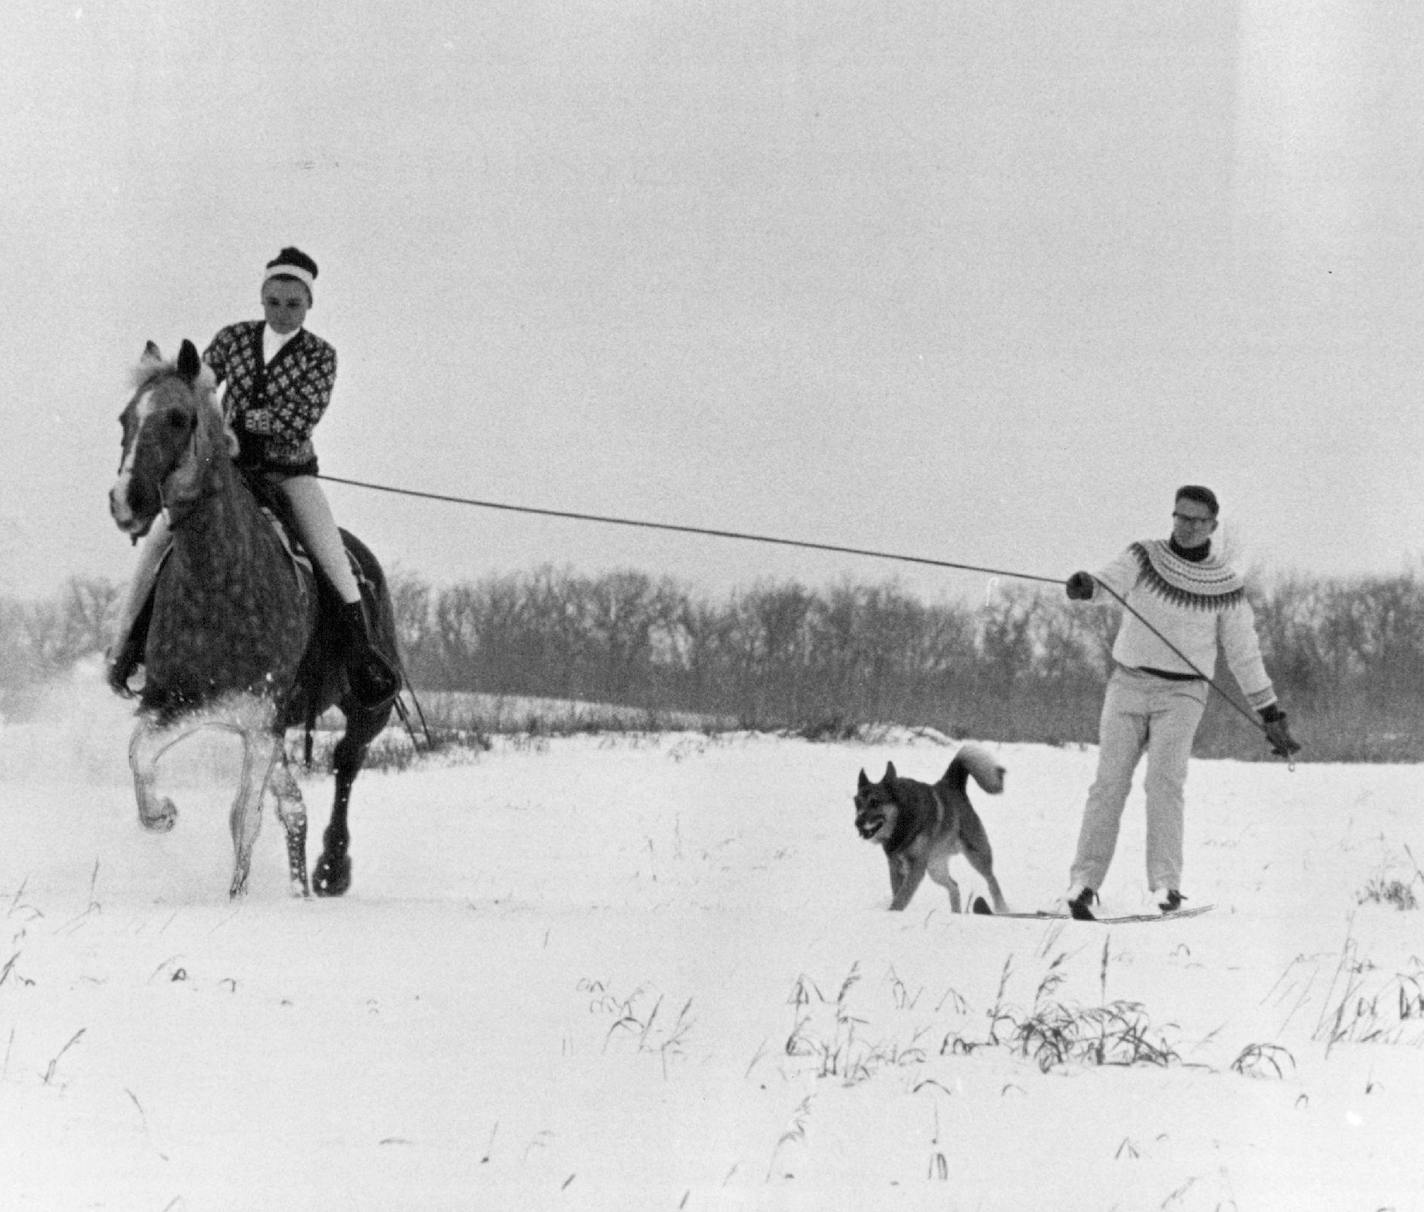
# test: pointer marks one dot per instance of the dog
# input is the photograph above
(921, 826)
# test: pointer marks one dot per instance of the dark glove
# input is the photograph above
(1277, 733)
(1080, 586)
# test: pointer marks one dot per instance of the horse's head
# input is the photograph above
(174, 437)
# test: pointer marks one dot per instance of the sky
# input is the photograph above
(971, 282)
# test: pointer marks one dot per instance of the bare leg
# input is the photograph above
(375, 681)
(320, 535)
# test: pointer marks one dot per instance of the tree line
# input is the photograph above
(1346, 655)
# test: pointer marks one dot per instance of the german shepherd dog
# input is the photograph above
(921, 826)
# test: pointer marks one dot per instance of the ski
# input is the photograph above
(1043, 915)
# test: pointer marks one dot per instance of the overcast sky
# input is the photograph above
(973, 281)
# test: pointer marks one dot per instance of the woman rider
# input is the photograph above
(279, 378)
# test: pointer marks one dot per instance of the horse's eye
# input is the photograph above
(177, 419)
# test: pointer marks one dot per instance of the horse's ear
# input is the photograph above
(864, 782)
(890, 775)
(189, 364)
(151, 354)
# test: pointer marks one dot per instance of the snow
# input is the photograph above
(657, 971)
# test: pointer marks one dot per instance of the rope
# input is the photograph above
(801, 543)
(1244, 712)
(702, 530)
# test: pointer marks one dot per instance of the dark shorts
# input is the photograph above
(253, 459)
(277, 472)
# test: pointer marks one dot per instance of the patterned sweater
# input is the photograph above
(274, 407)
(1194, 605)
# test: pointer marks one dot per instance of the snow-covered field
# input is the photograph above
(658, 972)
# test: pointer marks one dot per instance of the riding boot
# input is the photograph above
(121, 661)
(123, 657)
(374, 680)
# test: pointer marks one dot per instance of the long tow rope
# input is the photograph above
(702, 530)
(642, 524)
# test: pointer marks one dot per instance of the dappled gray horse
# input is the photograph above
(236, 637)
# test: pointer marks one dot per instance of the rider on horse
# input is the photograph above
(279, 378)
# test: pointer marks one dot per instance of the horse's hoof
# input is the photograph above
(332, 876)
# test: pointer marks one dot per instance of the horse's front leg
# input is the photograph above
(146, 746)
(259, 752)
(293, 813)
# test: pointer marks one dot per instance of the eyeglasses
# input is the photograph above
(1193, 519)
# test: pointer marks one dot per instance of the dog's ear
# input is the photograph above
(890, 775)
(864, 782)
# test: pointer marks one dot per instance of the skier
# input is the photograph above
(1184, 600)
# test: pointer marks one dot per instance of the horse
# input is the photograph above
(235, 632)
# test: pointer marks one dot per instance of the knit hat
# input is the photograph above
(292, 263)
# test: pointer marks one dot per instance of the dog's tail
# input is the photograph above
(978, 761)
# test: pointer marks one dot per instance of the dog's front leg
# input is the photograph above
(912, 871)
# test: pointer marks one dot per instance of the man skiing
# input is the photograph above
(1183, 601)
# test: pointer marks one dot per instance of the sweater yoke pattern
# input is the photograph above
(1209, 585)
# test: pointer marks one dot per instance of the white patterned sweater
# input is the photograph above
(1195, 606)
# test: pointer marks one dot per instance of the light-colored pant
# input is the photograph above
(1159, 717)
(316, 528)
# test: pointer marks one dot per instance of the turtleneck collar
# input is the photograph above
(1193, 555)
(274, 342)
